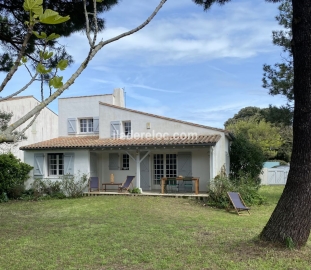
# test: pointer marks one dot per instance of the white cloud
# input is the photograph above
(237, 31)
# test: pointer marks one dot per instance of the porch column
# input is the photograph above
(211, 164)
(138, 171)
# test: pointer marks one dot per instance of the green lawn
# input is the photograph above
(127, 232)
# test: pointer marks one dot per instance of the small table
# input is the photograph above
(195, 179)
(111, 184)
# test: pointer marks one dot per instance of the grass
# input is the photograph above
(127, 232)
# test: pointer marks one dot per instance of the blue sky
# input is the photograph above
(196, 66)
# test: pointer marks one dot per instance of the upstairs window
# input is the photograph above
(127, 128)
(86, 125)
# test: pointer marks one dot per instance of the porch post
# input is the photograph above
(211, 163)
(138, 171)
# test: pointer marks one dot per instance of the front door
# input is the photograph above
(145, 172)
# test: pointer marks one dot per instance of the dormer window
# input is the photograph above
(127, 128)
(86, 125)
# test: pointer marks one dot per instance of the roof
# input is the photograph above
(96, 142)
(163, 117)
(24, 97)
(15, 98)
(87, 96)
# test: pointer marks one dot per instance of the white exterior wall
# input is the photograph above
(81, 162)
(84, 107)
(200, 166)
(139, 126)
(44, 128)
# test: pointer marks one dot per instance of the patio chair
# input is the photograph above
(186, 184)
(238, 202)
(171, 184)
(126, 184)
(94, 183)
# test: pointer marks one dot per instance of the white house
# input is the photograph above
(45, 126)
(101, 138)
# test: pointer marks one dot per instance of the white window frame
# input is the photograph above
(59, 161)
(89, 125)
(125, 162)
(127, 128)
(168, 168)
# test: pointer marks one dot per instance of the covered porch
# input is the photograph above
(150, 164)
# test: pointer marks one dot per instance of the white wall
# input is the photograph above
(200, 166)
(84, 107)
(44, 128)
(81, 162)
(139, 125)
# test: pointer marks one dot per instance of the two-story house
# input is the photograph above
(101, 138)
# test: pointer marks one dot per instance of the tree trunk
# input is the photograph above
(291, 219)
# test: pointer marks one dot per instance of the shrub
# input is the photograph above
(16, 191)
(73, 186)
(135, 190)
(246, 158)
(13, 172)
(246, 186)
(47, 188)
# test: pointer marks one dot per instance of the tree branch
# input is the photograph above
(91, 54)
(19, 57)
(22, 89)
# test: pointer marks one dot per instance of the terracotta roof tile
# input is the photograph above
(96, 142)
(163, 117)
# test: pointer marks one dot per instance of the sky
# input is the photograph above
(196, 66)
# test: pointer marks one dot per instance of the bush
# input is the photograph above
(246, 186)
(13, 173)
(16, 191)
(47, 187)
(135, 190)
(73, 186)
(246, 158)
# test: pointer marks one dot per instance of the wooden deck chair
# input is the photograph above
(126, 184)
(94, 183)
(238, 202)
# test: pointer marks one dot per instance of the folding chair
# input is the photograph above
(126, 184)
(94, 183)
(238, 202)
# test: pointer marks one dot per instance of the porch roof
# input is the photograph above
(96, 142)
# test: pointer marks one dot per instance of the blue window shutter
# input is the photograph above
(184, 164)
(96, 124)
(72, 125)
(115, 129)
(38, 165)
(113, 161)
(69, 163)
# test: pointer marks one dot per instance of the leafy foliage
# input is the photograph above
(246, 158)
(73, 186)
(279, 117)
(12, 28)
(249, 191)
(262, 134)
(5, 118)
(279, 79)
(13, 172)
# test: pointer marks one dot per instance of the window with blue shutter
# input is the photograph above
(69, 163)
(96, 124)
(115, 129)
(113, 161)
(184, 164)
(38, 165)
(72, 125)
